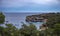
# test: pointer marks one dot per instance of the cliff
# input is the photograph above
(40, 17)
(35, 18)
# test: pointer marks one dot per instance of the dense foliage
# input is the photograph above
(53, 18)
(2, 18)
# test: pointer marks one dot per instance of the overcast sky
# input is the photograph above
(29, 5)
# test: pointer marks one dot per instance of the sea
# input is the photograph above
(17, 18)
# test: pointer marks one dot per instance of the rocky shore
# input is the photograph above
(37, 18)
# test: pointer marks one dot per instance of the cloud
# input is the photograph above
(15, 3)
(20, 3)
(45, 2)
(12, 3)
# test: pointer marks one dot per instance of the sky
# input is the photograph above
(30, 5)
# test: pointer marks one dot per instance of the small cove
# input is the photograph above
(17, 18)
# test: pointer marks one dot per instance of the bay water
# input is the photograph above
(17, 18)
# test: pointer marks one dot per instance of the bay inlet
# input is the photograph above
(17, 18)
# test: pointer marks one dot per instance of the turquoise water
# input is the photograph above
(17, 18)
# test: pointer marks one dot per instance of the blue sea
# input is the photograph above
(17, 18)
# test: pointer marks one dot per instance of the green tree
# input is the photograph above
(11, 30)
(2, 31)
(24, 30)
(28, 30)
(57, 29)
(2, 18)
(33, 30)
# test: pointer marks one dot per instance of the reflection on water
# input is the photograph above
(17, 18)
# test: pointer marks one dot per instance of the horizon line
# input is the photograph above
(30, 11)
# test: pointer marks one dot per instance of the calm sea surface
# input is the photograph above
(17, 18)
